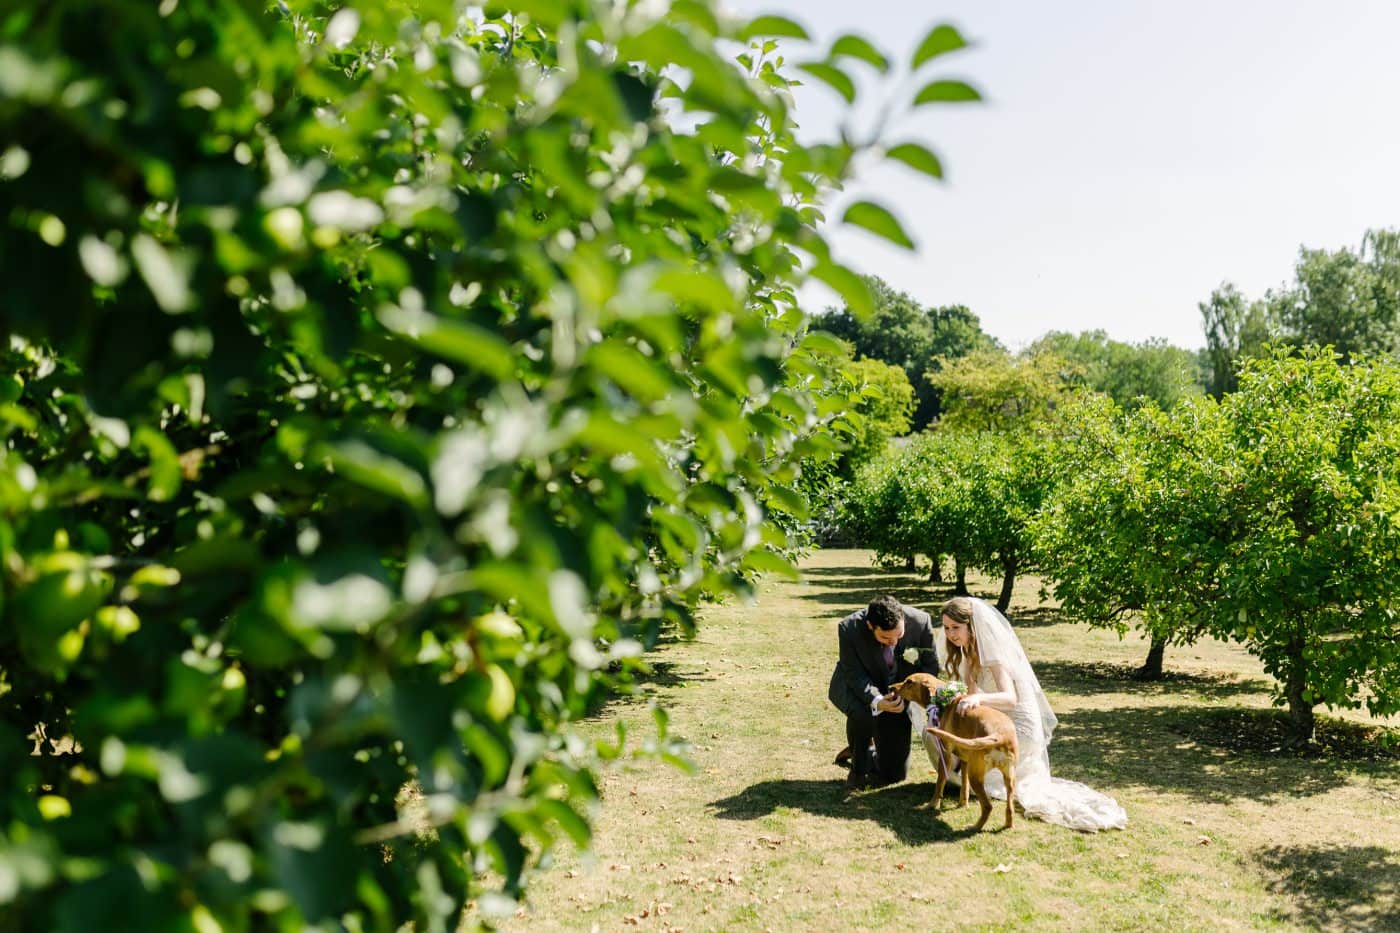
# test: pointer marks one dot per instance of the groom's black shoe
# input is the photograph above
(843, 757)
(867, 781)
(859, 781)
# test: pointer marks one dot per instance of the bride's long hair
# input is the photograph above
(959, 609)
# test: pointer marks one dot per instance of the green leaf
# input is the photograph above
(787, 500)
(166, 273)
(821, 342)
(464, 343)
(154, 575)
(46, 612)
(768, 562)
(917, 157)
(833, 77)
(563, 814)
(362, 464)
(784, 404)
(878, 221)
(773, 26)
(941, 40)
(706, 288)
(165, 463)
(697, 13)
(946, 92)
(642, 377)
(854, 46)
(851, 287)
(220, 555)
(547, 13)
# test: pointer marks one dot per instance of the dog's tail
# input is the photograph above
(969, 745)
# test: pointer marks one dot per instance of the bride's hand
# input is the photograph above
(971, 701)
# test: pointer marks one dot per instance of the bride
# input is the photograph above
(979, 648)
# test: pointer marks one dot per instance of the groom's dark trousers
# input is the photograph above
(862, 676)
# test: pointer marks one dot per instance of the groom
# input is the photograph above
(872, 642)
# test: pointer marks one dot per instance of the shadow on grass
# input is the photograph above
(1336, 887)
(904, 809)
(854, 594)
(853, 587)
(662, 675)
(1266, 732)
(853, 573)
(1087, 678)
(1034, 617)
(1216, 755)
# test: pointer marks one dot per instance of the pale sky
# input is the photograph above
(1129, 156)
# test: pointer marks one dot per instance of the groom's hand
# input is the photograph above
(891, 704)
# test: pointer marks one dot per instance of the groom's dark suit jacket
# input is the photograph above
(861, 674)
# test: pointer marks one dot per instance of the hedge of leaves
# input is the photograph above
(380, 381)
(970, 495)
(1269, 518)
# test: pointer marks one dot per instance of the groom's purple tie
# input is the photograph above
(888, 652)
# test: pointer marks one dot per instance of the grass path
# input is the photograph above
(763, 837)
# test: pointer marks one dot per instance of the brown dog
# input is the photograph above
(983, 737)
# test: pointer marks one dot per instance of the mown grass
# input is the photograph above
(1223, 833)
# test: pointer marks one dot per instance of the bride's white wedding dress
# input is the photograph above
(1055, 800)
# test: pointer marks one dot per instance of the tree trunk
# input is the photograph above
(935, 571)
(1152, 668)
(909, 563)
(1007, 583)
(1300, 710)
(960, 587)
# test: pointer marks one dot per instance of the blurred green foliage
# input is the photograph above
(380, 381)
(965, 493)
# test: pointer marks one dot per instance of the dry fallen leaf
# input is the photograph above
(1002, 869)
(1188, 821)
(1202, 840)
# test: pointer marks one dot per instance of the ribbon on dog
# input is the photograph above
(933, 721)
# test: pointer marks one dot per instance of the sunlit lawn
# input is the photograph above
(1222, 833)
